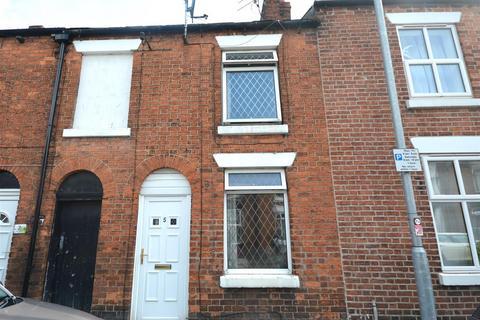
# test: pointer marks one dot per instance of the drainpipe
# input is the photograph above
(419, 256)
(375, 310)
(62, 39)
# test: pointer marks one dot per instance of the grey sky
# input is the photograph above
(116, 13)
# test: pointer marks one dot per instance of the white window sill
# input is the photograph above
(119, 132)
(259, 281)
(438, 102)
(459, 279)
(253, 129)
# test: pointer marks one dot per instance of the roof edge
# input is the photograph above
(135, 30)
(343, 3)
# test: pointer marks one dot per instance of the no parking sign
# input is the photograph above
(407, 160)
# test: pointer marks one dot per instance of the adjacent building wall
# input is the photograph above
(27, 72)
(373, 229)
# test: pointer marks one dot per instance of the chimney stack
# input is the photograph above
(276, 10)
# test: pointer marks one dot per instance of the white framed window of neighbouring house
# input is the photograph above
(433, 60)
(103, 98)
(453, 184)
(451, 165)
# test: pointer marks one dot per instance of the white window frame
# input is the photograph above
(434, 62)
(283, 185)
(232, 68)
(257, 190)
(461, 198)
(256, 61)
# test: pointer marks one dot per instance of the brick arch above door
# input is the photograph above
(99, 167)
(24, 175)
(188, 168)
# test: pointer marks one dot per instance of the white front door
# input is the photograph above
(8, 211)
(161, 264)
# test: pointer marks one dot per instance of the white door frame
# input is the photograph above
(138, 242)
(10, 195)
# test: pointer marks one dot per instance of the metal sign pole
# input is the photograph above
(419, 256)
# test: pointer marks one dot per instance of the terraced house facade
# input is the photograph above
(183, 178)
(241, 170)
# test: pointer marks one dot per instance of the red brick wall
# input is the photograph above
(175, 108)
(276, 10)
(368, 194)
(26, 75)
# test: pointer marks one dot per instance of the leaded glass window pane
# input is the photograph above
(452, 234)
(251, 95)
(249, 56)
(256, 231)
(255, 179)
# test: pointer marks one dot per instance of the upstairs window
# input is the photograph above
(250, 86)
(256, 228)
(433, 61)
(104, 91)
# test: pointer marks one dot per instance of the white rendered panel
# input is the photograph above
(416, 18)
(106, 46)
(255, 160)
(448, 144)
(109, 132)
(249, 42)
(104, 92)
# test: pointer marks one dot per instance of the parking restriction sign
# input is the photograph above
(407, 160)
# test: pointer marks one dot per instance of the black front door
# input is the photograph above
(72, 253)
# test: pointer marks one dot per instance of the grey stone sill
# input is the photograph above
(261, 129)
(459, 279)
(442, 102)
(259, 281)
(120, 132)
